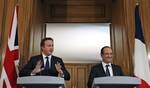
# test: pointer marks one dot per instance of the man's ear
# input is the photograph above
(42, 48)
(101, 55)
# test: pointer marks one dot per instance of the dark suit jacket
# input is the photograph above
(27, 69)
(98, 71)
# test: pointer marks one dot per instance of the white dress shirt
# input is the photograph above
(45, 59)
(109, 67)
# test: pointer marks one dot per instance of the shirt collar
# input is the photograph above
(104, 64)
(44, 56)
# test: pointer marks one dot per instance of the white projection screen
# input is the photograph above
(79, 42)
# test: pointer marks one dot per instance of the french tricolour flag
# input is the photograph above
(141, 63)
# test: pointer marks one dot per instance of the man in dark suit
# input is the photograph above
(46, 63)
(105, 68)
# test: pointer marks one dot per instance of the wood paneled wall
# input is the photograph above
(120, 42)
(78, 11)
(79, 74)
(34, 31)
(24, 18)
(32, 16)
(1, 27)
(1, 18)
(123, 28)
(145, 13)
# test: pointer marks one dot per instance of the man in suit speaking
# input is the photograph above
(105, 68)
(46, 63)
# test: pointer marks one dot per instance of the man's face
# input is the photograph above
(48, 47)
(107, 55)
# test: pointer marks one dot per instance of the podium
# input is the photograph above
(116, 82)
(41, 82)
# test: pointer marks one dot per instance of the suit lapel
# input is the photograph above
(102, 70)
(114, 70)
(41, 58)
(52, 62)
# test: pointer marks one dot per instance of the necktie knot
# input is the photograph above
(46, 57)
(107, 66)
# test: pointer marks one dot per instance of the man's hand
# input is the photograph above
(37, 68)
(58, 68)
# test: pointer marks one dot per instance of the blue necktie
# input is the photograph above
(107, 70)
(47, 64)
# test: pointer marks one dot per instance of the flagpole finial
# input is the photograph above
(137, 2)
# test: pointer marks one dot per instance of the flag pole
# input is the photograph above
(137, 2)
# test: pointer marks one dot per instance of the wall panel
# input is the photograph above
(2, 5)
(33, 14)
(123, 31)
(145, 16)
(78, 11)
(119, 34)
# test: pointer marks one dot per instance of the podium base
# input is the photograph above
(42, 86)
(114, 86)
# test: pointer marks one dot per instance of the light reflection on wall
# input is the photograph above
(79, 42)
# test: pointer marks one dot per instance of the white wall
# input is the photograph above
(79, 42)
